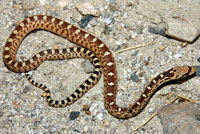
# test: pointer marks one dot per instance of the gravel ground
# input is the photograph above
(120, 24)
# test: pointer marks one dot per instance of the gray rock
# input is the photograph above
(85, 21)
(134, 77)
(87, 66)
(198, 59)
(74, 115)
(181, 30)
(181, 118)
(156, 30)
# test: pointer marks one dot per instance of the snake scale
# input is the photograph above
(89, 42)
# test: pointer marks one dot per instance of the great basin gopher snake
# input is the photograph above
(99, 49)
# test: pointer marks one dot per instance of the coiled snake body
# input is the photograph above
(69, 53)
(92, 43)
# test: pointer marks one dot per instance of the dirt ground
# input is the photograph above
(120, 24)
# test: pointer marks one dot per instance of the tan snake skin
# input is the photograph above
(92, 43)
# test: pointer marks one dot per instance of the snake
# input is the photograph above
(70, 53)
(98, 47)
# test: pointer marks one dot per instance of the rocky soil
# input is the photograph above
(120, 24)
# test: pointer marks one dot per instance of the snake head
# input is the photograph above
(183, 71)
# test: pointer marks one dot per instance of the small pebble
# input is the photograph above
(178, 55)
(107, 30)
(86, 108)
(85, 20)
(76, 130)
(141, 74)
(86, 8)
(85, 129)
(93, 22)
(133, 35)
(93, 106)
(135, 53)
(197, 70)
(139, 29)
(87, 66)
(134, 77)
(108, 21)
(64, 131)
(76, 17)
(52, 129)
(106, 123)
(146, 62)
(183, 44)
(74, 115)
(118, 42)
(151, 110)
(161, 47)
(26, 89)
(100, 116)
(198, 59)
